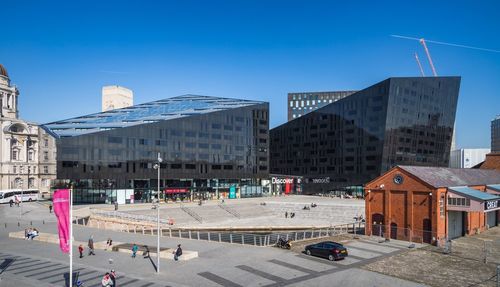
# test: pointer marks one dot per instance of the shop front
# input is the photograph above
(286, 184)
(176, 194)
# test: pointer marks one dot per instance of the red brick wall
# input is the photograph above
(407, 206)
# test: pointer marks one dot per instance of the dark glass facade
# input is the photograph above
(302, 103)
(495, 135)
(208, 146)
(399, 121)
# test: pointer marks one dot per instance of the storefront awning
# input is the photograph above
(490, 201)
(495, 187)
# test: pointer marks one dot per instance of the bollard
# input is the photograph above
(243, 239)
(170, 232)
(43, 221)
(295, 235)
(5, 225)
(209, 236)
(230, 238)
(220, 239)
(31, 223)
(18, 224)
(254, 240)
(189, 234)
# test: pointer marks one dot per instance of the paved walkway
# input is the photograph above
(219, 264)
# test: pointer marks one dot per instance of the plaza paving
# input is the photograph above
(252, 212)
(219, 264)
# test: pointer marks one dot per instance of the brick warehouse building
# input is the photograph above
(432, 203)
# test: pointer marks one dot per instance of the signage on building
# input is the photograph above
(492, 204)
(276, 180)
(320, 180)
(232, 192)
(176, 190)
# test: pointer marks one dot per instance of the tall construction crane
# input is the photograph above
(422, 41)
(419, 65)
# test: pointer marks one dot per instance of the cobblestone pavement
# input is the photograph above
(463, 267)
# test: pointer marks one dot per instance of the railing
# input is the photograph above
(404, 234)
(230, 210)
(254, 239)
(192, 213)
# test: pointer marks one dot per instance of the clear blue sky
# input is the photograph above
(61, 54)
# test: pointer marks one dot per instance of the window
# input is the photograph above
(45, 155)
(176, 133)
(15, 155)
(203, 145)
(45, 169)
(46, 142)
(216, 146)
(176, 166)
(143, 141)
(216, 126)
(115, 140)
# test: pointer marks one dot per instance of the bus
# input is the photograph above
(10, 195)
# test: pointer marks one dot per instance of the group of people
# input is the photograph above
(292, 214)
(16, 201)
(90, 245)
(109, 279)
(30, 233)
(177, 252)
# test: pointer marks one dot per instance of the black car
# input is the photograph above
(327, 249)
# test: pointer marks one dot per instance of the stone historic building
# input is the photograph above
(27, 152)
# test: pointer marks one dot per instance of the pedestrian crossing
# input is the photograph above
(297, 267)
(57, 273)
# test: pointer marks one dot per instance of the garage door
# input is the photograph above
(455, 224)
(491, 218)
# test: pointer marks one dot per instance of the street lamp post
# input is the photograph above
(158, 167)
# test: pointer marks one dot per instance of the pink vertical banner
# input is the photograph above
(61, 209)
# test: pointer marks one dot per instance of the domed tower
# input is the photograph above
(8, 96)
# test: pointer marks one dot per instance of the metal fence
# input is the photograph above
(264, 238)
(399, 233)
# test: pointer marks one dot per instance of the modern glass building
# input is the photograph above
(399, 121)
(302, 103)
(211, 147)
(495, 135)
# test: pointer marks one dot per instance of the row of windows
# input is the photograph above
(458, 201)
(145, 165)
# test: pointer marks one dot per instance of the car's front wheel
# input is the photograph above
(308, 252)
(331, 258)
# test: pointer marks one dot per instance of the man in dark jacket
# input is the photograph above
(177, 253)
(91, 245)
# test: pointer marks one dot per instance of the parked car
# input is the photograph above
(327, 249)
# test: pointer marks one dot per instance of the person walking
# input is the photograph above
(80, 250)
(134, 250)
(286, 214)
(91, 245)
(177, 253)
(109, 244)
(106, 280)
(50, 208)
(112, 276)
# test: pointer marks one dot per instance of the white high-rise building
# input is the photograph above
(467, 157)
(27, 152)
(116, 97)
